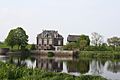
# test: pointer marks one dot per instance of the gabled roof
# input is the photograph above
(73, 38)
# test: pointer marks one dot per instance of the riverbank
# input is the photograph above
(100, 54)
(9, 71)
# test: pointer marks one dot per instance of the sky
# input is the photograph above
(66, 16)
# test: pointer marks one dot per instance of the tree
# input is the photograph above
(17, 37)
(70, 46)
(97, 39)
(21, 38)
(33, 47)
(83, 42)
(10, 40)
(114, 41)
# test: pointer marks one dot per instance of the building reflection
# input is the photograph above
(67, 66)
(49, 64)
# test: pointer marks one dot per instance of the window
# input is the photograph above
(45, 41)
(59, 42)
(50, 41)
(40, 41)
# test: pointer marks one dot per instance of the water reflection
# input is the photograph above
(96, 67)
(106, 68)
(49, 64)
(113, 66)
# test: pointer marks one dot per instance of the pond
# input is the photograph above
(109, 69)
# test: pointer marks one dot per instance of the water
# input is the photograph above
(109, 69)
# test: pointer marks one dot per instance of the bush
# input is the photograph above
(33, 47)
(51, 54)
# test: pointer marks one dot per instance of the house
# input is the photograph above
(73, 38)
(49, 40)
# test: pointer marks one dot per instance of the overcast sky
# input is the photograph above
(66, 16)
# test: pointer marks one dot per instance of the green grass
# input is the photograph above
(12, 72)
(100, 54)
(4, 46)
(15, 48)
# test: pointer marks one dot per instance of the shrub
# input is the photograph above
(51, 54)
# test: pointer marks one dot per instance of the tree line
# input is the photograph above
(18, 37)
(95, 43)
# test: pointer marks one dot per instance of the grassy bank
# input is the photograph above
(100, 54)
(12, 72)
(15, 48)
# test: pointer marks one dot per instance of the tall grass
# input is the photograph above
(12, 72)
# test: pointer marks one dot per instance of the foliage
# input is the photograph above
(97, 39)
(97, 48)
(50, 54)
(17, 37)
(33, 47)
(21, 38)
(1, 42)
(11, 72)
(83, 42)
(70, 46)
(86, 38)
(114, 41)
(10, 40)
(100, 54)
(3, 45)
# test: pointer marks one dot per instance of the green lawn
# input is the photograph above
(2, 45)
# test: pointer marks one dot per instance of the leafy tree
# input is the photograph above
(114, 41)
(1, 42)
(97, 39)
(21, 38)
(83, 42)
(17, 37)
(10, 40)
(33, 47)
(70, 46)
(85, 37)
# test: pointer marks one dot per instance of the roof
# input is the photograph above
(49, 33)
(73, 38)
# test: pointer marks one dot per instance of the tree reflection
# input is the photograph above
(114, 66)
(49, 64)
(96, 67)
(81, 66)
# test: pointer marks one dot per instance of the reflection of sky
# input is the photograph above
(64, 67)
(109, 74)
(95, 68)
(30, 64)
(3, 58)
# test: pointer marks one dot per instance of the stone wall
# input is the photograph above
(57, 53)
